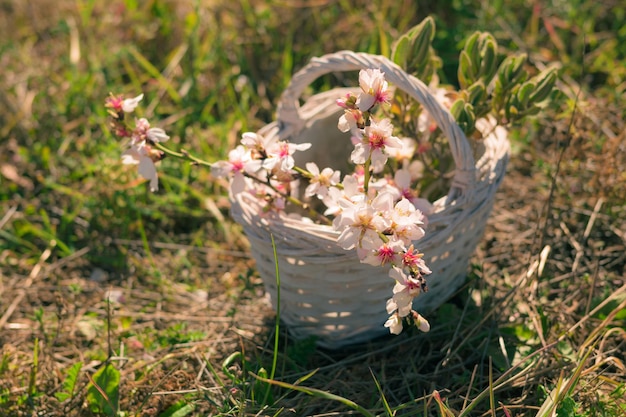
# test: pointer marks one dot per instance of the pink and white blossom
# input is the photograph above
(345, 198)
(140, 155)
(406, 222)
(421, 322)
(254, 141)
(402, 180)
(374, 89)
(157, 135)
(404, 291)
(361, 222)
(426, 124)
(280, 155)
(414, 260)
(394, 324)
(239, 162)
(144, 132)
(352, 121)
(347, 102)
(389, 253)
(321, 181)
(376, 140)
(405, 153)
(130, 104)
(118, 104)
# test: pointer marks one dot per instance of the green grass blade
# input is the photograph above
(314, 392)
(382, 395)
(277, 324)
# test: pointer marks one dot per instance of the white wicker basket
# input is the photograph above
(325, 291)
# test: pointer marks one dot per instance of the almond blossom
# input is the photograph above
(320, 181)
(337, 199)
(405, 153)
(239, 161)
(130, 104)
(118, 104)
(402, 181)
(420, 322)
(389, 253)
(143, 132)
(142, 149)
(407, 287)
(280, 155)
(404, 291)
(255, 142)
(362, 222)
(352, 121)
(376, 139)
(413, 260)
(142, 156)
(406, 221)
(394, 323)
(374, 89)
(426, 124)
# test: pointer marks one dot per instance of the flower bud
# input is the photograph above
(420, 322)
(155, 155)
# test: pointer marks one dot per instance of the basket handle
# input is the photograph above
(290, 121)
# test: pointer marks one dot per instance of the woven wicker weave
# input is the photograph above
(325, 291)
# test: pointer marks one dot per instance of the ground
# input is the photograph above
(155, 300)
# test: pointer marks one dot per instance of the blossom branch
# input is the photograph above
(184, 155)
(373, 214)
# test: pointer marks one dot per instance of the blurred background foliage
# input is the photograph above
(211, 70)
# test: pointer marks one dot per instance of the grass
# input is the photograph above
(116, 301)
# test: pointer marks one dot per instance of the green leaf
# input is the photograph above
(425, 27)
(457, 108)
(567, 408)
(463, 112)
(179, 409)
(545, 82)
(228, 362)
(470, 47)
(400, 51)
(421, 37)
(261, 390)
(511, 71)
(4, 363)
(466, 73)
(515, 71)
(103, 393)
(523, 94)
(512, 112)
(488, 66)
(69, 383)
(476, 93)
